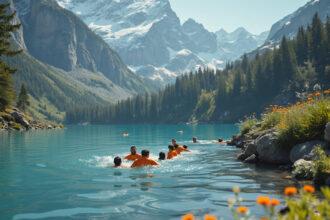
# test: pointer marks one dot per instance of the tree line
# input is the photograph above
(7, 92)
(243, 87)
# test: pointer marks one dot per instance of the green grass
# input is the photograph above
(295, 124)
(247, 125)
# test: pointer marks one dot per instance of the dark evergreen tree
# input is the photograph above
(7, 94)
(23, 99)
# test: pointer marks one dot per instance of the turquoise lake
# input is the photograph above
(68, 174)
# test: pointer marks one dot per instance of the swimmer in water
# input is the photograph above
(117, 162)
(162, 156)
(144, 160)
(185, 147)
(194, 140)
(171, 152)
(125, 134)
(133, 156)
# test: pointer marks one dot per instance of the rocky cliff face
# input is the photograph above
(289, 25)
(59, 38)
(64, 63)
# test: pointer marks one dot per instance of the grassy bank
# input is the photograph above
(297, 123)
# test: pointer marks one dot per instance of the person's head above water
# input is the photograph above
(145, 153)
(133, 150)
(194, 139)
(162, 156)
(117, 161)
(174, 142)
(185, 147)
(220, 140)
(170, 147)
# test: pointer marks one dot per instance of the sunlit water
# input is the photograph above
(68, 174)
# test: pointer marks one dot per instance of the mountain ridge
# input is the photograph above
(150, 33)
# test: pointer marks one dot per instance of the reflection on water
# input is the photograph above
(68, 174)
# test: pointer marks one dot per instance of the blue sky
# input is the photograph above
(254, 15)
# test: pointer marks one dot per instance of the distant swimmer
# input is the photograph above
(162, 156)
(125, 134)
(194, 140)
(171, 152)
(221, 141)
(185, 147)
(144, 160)
(133, 156)
(174, 144)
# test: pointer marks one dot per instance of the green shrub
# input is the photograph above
(246, 126)
(270, 120)
(303, 122)
(321, 166)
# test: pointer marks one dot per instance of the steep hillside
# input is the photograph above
(288, 26)
(66, 67)
(57, 37)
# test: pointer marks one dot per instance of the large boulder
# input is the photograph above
(251, 148)
(241, 156)
(327, 132)
(305, 150)
(303, 170)
(19, 118)
(251, 159)
(269, 152)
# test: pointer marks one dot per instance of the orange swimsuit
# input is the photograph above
(179, 150)
(171, 154)
(143, 161)
(133, 157)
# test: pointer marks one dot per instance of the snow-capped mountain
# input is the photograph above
(289, 25)
(232, 45)
(149, 36)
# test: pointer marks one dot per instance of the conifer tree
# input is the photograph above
(7, 93)
(23, 98)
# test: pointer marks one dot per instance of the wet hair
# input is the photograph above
(185, 146)
(133, 147)
(117, 161)
(145, 153)
(220, 140)
(170, 147)
(162, 156)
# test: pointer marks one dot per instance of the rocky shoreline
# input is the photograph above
(15, 120)
(263, 148)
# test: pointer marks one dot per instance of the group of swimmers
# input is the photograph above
(141, 160)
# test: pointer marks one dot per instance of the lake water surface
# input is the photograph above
(67, 174)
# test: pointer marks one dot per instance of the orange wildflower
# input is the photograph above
(309, 189)
(290, 191)
(275, 202)
(317, 94)
(188, 216)
(263, 200)
(210, 217)
(242, 210)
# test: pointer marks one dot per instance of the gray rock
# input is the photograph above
(241, 157)
(19, 118)
(269, 152)
(327, 132)
(303, 169)
(251, 159)
(305, 150)
(251, 148)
